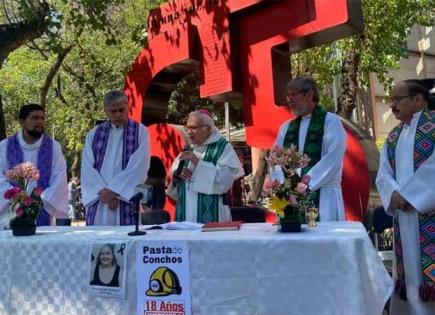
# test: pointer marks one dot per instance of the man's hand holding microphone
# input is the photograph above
(182, 172)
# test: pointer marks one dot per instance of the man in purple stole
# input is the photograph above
(115, 160)
(405, 182)
(31, 144)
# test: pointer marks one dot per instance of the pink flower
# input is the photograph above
(306, 179)
(301, 188)
(293, 200)
(270, 184)
(37, 191)
(20, 212)
(12, 193)
(28, 201)
(304, 161)
(24, 171)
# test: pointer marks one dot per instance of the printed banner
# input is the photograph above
(163, 278)
(108, 264)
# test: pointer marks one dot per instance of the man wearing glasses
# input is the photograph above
(207, 172)
(405, 182)
(321, 136)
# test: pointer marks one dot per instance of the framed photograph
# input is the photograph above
(107, 269)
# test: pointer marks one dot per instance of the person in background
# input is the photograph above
(208, 170)
(405, 183)
(321, 136)
(32, 144)
(73, 191)
(115, 160)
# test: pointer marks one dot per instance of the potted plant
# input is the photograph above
(24, 207)
(289, 193)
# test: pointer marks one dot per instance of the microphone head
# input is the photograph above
(187, 147)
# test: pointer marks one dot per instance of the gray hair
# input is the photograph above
(416, 87)
(114, 97)
(304, 84)
(204, 118)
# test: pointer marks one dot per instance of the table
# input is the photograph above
(332, 269)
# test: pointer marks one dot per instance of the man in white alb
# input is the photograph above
(321, 136)
(208, 170)
(31, 144)
(405, 181)
(115, 160)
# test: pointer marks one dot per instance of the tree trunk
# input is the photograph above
(13, 35)
(349, 83)
(258, 180)
(75, 165)
(51, 73)
(2, 121)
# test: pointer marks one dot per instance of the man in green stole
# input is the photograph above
(321, 136)
(208, 171)
(405, 181)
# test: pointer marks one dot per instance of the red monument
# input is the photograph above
(241, 49)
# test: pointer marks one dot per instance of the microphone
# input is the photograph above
(142, 193)
(181, 165)
(136, 197)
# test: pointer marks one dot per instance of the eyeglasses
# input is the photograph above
(193, 128)
(398, 98)
(291, 95)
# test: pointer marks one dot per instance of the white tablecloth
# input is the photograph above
(331, 270)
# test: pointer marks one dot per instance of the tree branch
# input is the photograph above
(14, 35)
(51, 73)
(58, 90)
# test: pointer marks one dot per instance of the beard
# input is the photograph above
(35, 133)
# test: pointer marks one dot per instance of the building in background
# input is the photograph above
(419, 64)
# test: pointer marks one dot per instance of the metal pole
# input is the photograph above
(227, 120)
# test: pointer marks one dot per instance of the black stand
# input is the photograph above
(136, 232)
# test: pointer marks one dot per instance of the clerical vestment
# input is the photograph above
(200, 199)
(326, 173)
(46, 155)
(117, 159)
(407, 166)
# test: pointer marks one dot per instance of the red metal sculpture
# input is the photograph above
(241, 49)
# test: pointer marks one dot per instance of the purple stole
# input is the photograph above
(15, 156)
(424, 146)
(130, 144)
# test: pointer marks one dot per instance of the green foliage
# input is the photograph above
(20, 79)
(105, 37)
(185, 99)
(387, 24)
(380, 142)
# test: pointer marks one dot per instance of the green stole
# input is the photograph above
(207, 205)
(313, 141)
(424, 145)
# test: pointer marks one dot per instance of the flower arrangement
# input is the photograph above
(24, 207)
(290, 196)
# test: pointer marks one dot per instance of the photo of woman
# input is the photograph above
(105, 269)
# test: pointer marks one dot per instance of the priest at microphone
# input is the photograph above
(209, 169)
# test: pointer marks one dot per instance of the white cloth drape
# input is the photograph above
(417, 189)
(208, 178)
(326, 174)
(55, 196)
(330, 270)
(111, 175)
